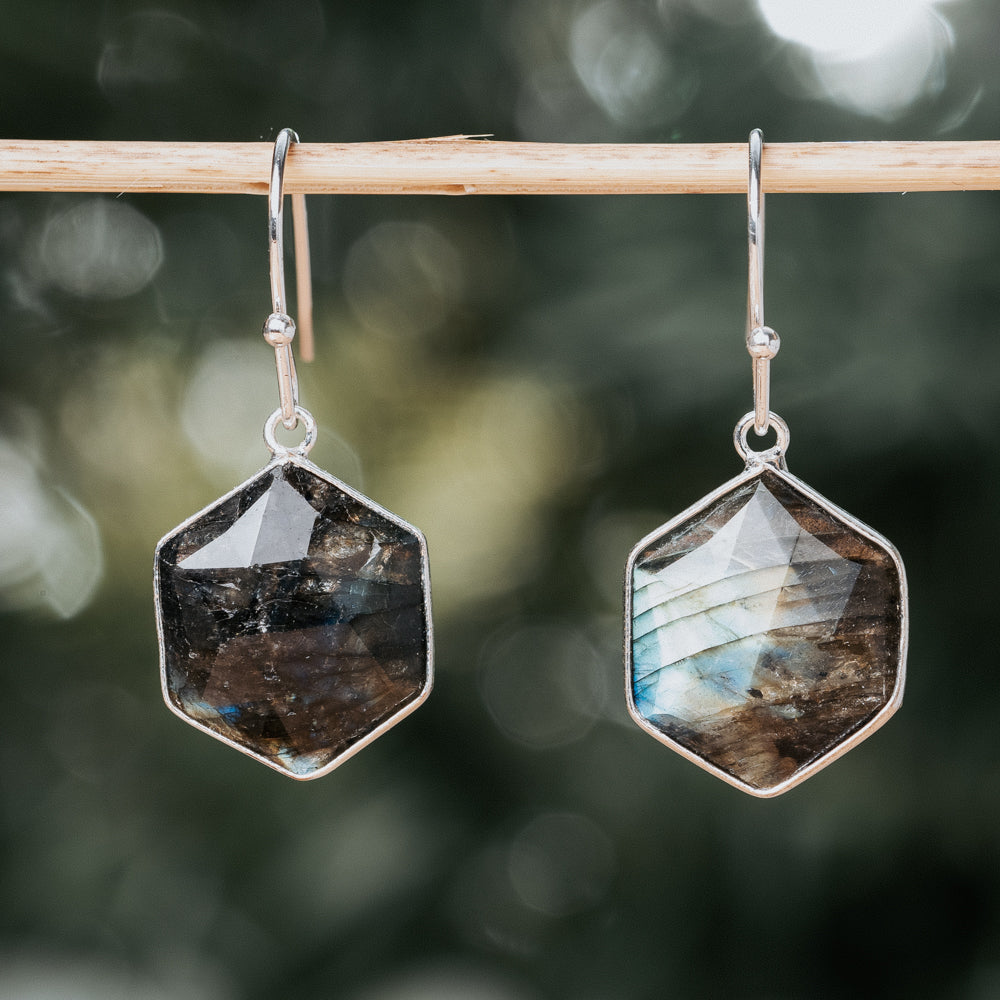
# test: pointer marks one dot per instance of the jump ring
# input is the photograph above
(775, 455)
(304, 417)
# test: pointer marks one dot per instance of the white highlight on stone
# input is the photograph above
(277, 528)
(701, 623)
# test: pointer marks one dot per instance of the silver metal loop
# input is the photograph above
(300, 415)
(288, 383)
(275, 218)
(755, 234)
(775, 455)
(762, 342)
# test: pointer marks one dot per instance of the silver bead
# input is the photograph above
(763, 343)
(279, 329)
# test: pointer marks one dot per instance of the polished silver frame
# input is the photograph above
(755, 467)
(292, 457)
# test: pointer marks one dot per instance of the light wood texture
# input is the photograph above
(460, 165)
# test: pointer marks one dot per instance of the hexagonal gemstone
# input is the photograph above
(294, 619)
(767, 632)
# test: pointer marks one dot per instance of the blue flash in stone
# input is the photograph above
(294, 619)
(766, 632)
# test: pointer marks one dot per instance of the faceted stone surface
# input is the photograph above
(765, 631)
(293, 619)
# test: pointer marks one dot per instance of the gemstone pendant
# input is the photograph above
(765, 628)
(294, 618)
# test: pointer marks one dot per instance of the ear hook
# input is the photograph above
(279, 328)
(762, 341)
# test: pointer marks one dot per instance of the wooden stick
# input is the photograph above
(471, 165)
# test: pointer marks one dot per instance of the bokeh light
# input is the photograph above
(482, 478)
(223, 400)
(227, 397)
(623, 61)
(402, 279)
(50, 547)
(149, 48)
(543, 685)
(50, 976)
(101, 249)
(452, 980)
(561, 863)
(876, 57)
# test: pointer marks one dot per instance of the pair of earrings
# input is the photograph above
(765, 628)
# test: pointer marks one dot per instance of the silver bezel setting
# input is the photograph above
(754, 469)
(291, 457)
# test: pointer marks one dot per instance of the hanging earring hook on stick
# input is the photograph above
(279, 328)
(762, 341)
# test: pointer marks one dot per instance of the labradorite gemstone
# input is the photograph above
(293, 619)
(766, 630)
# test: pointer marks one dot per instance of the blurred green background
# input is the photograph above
(536, 383)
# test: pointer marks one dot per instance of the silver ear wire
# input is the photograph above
(762, 342)
(279, 327)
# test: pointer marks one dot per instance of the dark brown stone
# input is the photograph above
(293, 619)
(767, 630)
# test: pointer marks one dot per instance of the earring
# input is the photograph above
(765, 628)
(293, 613)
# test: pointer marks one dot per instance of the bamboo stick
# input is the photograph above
(474, 165)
